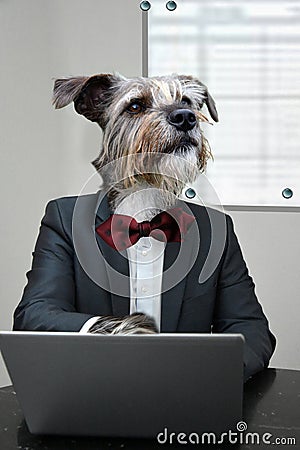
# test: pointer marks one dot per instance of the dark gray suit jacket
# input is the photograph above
(70, 282)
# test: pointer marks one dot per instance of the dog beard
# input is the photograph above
(142, 185)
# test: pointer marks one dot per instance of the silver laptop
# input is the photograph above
(126, 386)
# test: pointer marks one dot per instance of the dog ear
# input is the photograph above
(211, 106)
(89, 94)
(66, 90)
(208, 100)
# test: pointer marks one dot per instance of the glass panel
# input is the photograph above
(248, 54)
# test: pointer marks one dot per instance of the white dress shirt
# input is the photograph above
(146, 259)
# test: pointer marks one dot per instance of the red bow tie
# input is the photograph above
(120, 231)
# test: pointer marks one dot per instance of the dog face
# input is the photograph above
(142, 116)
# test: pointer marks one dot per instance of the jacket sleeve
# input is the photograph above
(48, 301)
(238, 310)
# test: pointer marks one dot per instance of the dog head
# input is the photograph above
(142, 116)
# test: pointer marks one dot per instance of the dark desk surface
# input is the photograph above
(271, 405)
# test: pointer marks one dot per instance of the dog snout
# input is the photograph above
(182, 119)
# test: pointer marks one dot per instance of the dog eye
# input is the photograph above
(186, 101)
(135, 108)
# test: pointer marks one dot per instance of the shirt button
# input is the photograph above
(144, 289)
(144, 252)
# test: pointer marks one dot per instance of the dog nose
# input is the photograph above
(182, 119)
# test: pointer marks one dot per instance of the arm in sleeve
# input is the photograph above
(238, 310)
(48, 301)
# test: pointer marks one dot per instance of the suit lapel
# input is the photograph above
(171, 297)
(179, 257)
(116, 263)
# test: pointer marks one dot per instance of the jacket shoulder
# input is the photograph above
(202, 212)
(67, 204)
(62, 211)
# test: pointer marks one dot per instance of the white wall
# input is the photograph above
(47, 153)
(271, 247)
